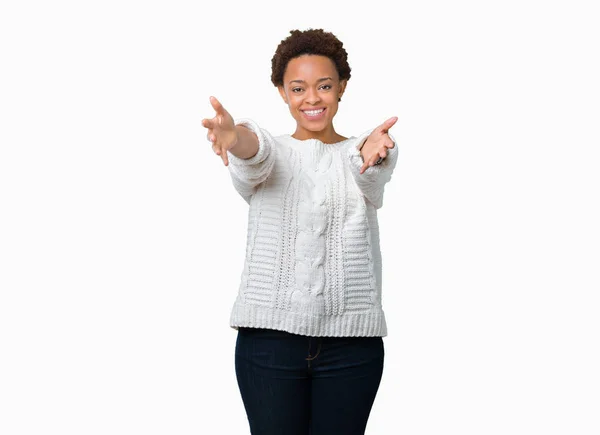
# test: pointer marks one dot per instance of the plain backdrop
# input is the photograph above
(122, 238)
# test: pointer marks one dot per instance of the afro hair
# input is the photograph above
(311, 41)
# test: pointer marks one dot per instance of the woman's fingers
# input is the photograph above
(221, 152)
(225, 158)
(210, 136)
(383, 128)
(216, 104)
(373, 160)
(220, 130)
(208, 123)
(364, 167)
(218, 148)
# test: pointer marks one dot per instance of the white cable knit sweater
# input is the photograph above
(313, 261)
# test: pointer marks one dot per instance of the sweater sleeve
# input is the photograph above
(372, 182)
(247, 174)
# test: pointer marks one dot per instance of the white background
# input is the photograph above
(122, 238)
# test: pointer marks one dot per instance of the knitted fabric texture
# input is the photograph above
(313, 260)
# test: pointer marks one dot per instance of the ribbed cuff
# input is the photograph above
(264, 146)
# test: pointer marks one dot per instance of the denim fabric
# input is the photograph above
(299, 385)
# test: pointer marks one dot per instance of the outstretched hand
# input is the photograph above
(221, 130)
(377, 144)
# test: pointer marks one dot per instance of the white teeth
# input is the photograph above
(313, 112)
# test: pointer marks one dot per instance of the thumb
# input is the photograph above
(217, 106)
(388, 124)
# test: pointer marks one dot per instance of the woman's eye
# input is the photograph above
(296, 90)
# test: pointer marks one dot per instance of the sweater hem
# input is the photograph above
(369, 324)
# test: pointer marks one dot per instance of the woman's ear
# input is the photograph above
(282, 93)
(343, 84)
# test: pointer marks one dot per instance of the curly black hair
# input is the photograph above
(311, 41)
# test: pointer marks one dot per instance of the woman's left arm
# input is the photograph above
(364, 152)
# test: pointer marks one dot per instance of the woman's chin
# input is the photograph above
(314, 126)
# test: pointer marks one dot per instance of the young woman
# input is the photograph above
(309, 351)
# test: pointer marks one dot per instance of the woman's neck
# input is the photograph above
(325, 136)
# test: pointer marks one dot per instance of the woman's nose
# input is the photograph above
(312, 97)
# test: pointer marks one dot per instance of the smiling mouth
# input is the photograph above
(314, 114)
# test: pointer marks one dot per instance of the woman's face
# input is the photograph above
(311, 89)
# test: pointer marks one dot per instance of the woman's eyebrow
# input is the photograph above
(318, 81)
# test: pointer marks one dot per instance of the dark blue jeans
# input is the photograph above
(298, 385)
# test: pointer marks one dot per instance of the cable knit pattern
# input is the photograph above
(313, 260)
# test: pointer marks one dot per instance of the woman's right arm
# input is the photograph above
(226, 136)
(244, 147)
(248, 173)
(247, 143)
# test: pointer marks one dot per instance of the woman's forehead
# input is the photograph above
(310, 68)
